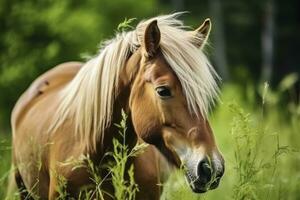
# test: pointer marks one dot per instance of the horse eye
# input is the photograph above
(163, 91)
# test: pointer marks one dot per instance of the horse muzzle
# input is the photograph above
(205, 175)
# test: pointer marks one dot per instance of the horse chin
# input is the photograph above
(196, 186)
(197, 189)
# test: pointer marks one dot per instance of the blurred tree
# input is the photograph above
(219, 37)
(37, 35)
(267, 41)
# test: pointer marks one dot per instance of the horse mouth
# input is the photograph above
(198, 190)
(198, 186)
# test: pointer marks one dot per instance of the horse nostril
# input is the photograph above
(204, 171)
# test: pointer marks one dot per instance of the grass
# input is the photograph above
(5, 160)
(260, 143)
(117, 171)
(124, 189)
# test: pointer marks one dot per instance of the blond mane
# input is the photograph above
(88, 99)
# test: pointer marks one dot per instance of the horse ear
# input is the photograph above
(203, 32)
(151, 38)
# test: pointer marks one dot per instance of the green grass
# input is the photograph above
(116, 170)
(5, 159)
(260, 143)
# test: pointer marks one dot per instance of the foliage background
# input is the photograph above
(36, 35)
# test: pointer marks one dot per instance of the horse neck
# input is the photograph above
(121, 103)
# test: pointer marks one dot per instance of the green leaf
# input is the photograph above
(288, 82)
(125, 25)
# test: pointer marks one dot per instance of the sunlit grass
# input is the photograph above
(117, 170)
(5, 159)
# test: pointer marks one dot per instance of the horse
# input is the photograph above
(159, 75)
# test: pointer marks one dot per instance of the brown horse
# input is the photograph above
(159, 75)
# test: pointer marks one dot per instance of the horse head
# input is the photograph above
(171, 86)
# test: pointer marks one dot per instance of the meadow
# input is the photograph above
(257, 131)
